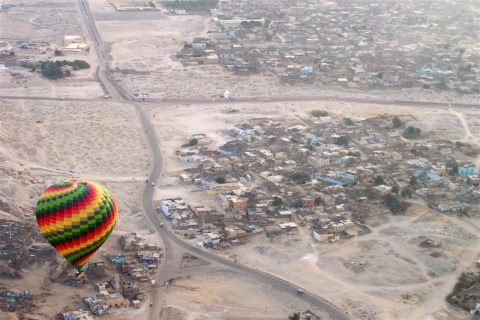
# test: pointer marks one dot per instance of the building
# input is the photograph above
(244, 129)
(237, 204)
(199, 43)
(382, 190)
(97, 268)
(323, 235)
(72, 39)
(466, 169)
(77, 47)
(130, 290)
(318, 162)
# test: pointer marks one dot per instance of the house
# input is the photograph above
(97, 268)
(318, 162)
(171, 206)
(272, 230)
(199, 43)
(340, 198)
(449, 207)
(290, 164)
(237, 204)
(180, 12)
(244, 129)
(473, 180)
(308, 202)
(382, 190)
(347, 176)
(232, 148)
(117, 259)
(226, 54)
(130, 290)
(288, 226)
(212, 238)
(185, 178)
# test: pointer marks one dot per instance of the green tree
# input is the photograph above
(193, 142)
(277, 201)
(319, 113)
(348, 121)
(220, 180)
(412, 133)
(51, 70)
(406, 193)
(454, 170)
(294, 316)
(342, 141)
(319, 201)
(300, 177)
(395, 205)
(413, 181)
(57, 52)
(397, 123)
(395, 189)
(378, 180)
(198, 53)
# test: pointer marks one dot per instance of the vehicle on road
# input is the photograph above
(151, 304)
(300, 291)
(153, 183)
(161, 224)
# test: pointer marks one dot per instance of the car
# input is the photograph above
(299, 290)
(161, 224)
(153, 183)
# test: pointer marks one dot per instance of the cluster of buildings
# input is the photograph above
(374, 44)
(15, 300)
(328, 175)
(466, 294)
(136, 266)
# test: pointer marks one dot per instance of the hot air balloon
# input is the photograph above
(76, 217)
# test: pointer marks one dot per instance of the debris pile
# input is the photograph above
(21, 246)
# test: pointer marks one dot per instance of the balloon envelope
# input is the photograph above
(76, 218)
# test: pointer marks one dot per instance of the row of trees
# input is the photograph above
(412, 133)
(53, 69)
(199, 5)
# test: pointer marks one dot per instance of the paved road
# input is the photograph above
(103, 74)
(259, 100)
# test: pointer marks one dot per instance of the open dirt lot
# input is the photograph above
(384, 275)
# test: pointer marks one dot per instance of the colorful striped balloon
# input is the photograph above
(76, 218)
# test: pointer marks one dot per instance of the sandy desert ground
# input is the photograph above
(384, 275)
